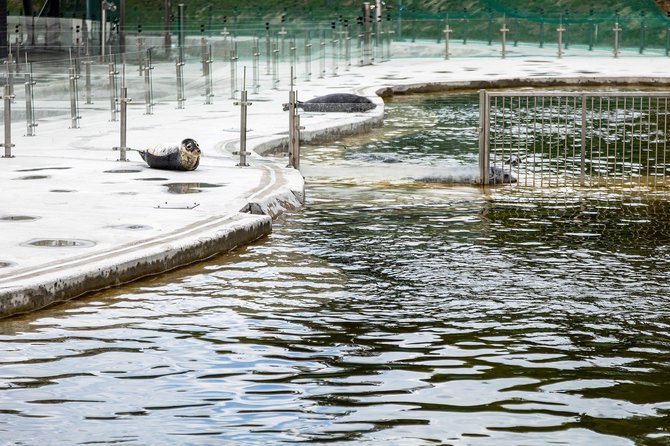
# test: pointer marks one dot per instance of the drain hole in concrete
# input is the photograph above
(132, 227)
(33, 177)
(151, 179)
(62, 190)
(18, 218)
(5, 264)
(122, 171)
(59, 243)
(188, 188)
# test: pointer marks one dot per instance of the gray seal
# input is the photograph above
(185, 156)
(498, 175)
(336, 102)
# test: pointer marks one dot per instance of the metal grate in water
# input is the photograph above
(593, 139)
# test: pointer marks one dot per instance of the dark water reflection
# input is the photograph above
(382, 314)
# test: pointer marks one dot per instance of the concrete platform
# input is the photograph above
(73, 219)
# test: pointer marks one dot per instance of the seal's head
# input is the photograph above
(189, 152)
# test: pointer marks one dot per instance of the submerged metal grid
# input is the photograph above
(592, 139)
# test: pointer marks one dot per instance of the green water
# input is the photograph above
(398, 307)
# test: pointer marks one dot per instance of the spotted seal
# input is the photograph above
(336, 102)
(498, 175)
(185, 156)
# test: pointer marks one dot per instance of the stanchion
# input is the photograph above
(256, 69)
(87, 77)
(148, 85)
(244, 104)
(347, 46)
(616, 30)
(207, 71)
(308, 57)
(233, 71)
(322, 55)
(8, 97)
(123, 102)
(447, 31)
(503, 40)
(30, 102)
(112, 90)
(10, 74)
(293, 50)
(268, 48)
(74, 98)
(179, 65)
(560, 31)
(275, 66)
(293, 129)
(334, 41)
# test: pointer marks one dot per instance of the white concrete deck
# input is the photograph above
(66, 184)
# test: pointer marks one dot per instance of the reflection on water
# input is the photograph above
(388, 311)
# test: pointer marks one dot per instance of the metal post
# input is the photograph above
(123, 123)
(367, 20)
(282, 37)
(30, 102)
(334, 44)
(179, 65)
(167, 39)
(8, 98)
(275, 67)
(180, 12)
(10, 74)
(483, 137)
(322, 55)
(74, 96)
(87, 70)
(293, 130)
(105, 6)
(583, 154)
(293, 50)
(148, 86)
(268, 48)
(243, 103)
(503, 31)
(616, 30)
(560, 30)
(308, 57)
(347, 47)
(204, 56)
(207, 68)
(112, 90)
(446, 32)
(233, 71)
(256, 69)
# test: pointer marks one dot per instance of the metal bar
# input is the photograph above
(8, 97)
(579, 93)
(148, 85)
(243, 103)
(179, 67)
(656, 141)
(484, 115)
(583, 160)
(308, 57)
(207, 66)
(255, 67)
(74, 112)
(30, 102)
(665, 138)
(112, 90)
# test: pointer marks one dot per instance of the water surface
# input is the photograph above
(390, 310)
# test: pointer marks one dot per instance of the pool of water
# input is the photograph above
(400, 306)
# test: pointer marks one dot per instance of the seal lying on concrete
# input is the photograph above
(170, 157)
(336, 102)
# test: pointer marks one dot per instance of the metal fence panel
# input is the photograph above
(570, 139)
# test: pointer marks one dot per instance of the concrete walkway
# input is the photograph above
(73, 219)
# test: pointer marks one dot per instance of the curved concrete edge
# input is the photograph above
(498, 83)
(59, 286)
